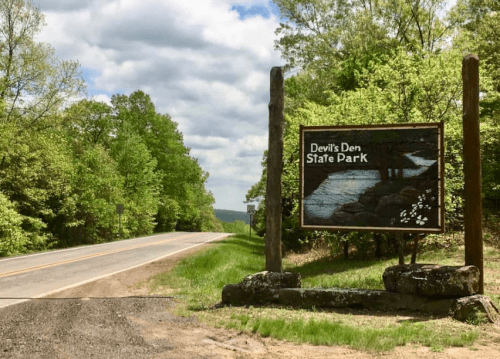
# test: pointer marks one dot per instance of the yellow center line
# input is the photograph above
(42, 266)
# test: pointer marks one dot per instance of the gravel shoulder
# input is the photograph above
(116, 317)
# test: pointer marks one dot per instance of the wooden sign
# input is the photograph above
(372, 178)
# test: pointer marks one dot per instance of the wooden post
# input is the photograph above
(274, 168)
(472, 167)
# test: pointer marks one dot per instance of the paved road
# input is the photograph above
(38, 275)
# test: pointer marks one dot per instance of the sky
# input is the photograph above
(206, 63)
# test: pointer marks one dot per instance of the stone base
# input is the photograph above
(284, 289)
(432, 280)
(259, 288)
(476, 308)
(362, 298)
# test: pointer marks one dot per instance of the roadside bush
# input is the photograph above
(167, 216)
(14, 239)
(209, 222)
(235, 227)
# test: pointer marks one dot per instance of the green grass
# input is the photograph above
(327, 332)
(341, 273)
(348, 273)
(199, 280)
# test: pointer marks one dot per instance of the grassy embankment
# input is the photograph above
(199, 280)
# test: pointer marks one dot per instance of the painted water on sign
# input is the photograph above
(346, 186)
(419, 161)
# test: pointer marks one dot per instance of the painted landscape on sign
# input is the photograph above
(371, 178)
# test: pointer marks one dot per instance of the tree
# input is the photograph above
(480, 33)
(141, 183)
(13, 239)
(480, 20)
(181, 178)
(333, 42)
(90, 122)
(33, 83)
(35, 175)
(314, 30)
(98, 187)
(325, 33)
(167, 215)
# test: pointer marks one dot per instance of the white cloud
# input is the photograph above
(233, 158)
(197, 60)
(102, 98)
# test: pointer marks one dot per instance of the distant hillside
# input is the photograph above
(227, 215)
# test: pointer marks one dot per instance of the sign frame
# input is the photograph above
(439, 126)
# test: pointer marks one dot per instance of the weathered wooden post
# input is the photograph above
(472, 167)
(274, 168)
(119, 211)
(250, 211)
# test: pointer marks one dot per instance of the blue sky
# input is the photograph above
(246, 11)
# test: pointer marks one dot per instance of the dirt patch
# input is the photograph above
(112, 324)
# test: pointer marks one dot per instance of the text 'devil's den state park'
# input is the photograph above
(332, 153)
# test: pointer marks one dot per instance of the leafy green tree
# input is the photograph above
(479, 33)
(140, 182)
(13, 239)
(89, 123)
(167, 215)
(480, 20)
(35, 175)
(182, 180)
(33, 83)
(98, 187)
(337, 38)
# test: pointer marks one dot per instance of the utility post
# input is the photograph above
(119, 211)
(274, 168)
(250, 211)
(472, 167)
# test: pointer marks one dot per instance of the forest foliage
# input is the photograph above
(66, 164)
(385, 61)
